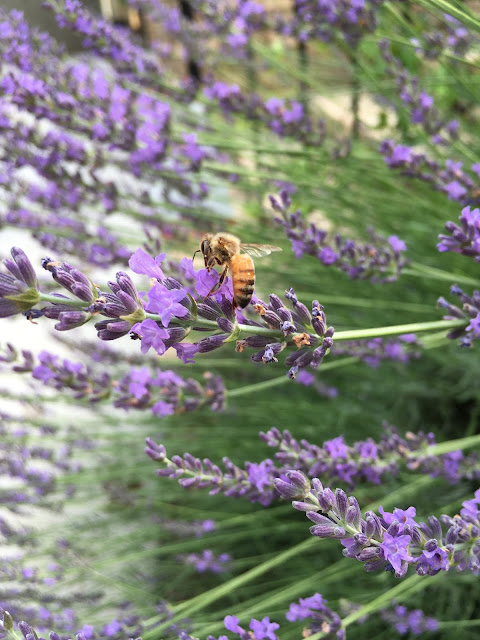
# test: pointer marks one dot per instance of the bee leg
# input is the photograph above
(211, 262)
(218, 284)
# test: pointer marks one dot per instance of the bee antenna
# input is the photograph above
(197, 251)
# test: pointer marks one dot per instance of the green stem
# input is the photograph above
(46, 297)
(414, 327)
(356, 92)
(275, 382)
(459, 624)
(414, 582)
(453, 445)
(423, 270)
(206, 598)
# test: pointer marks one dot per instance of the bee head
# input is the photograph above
(204, 248)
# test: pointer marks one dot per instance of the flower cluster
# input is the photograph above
(34, 467)
(170, 311)
(259, 629)
(255, 482)
(365, 461)
(405, 621)
(392, 541)
(470, 312)
(91, 136)
(295, 325)
(375, 351)
(232, 25)
(163, 392)
(286, 119)
(347, 20)
(450, 179)
(402, 619)
(418, 102)
(104, 39)
(35, 458)
(465, 237)
(321, 618)
(451, 36)
(198, 528)
(128, 624)
(207, 561)
(379, 260)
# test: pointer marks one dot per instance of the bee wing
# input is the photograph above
(258, 250)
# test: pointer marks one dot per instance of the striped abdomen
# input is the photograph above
(243, 279)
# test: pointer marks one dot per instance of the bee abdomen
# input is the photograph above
(243, 279)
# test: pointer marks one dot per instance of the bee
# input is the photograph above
(226, 250)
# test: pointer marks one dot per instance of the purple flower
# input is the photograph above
(264, 629)
(142, 263)
(471, 507)
(437, 559)
(87, 631)
(112, 628)
(208, 279)
(397, 244)
(192, 150)
(165, 302)
(328, 256)
(455, 190)
(208, 561)
(378, 259)
(140, 379)
(163, 409)
(426, 101)
(232, 624)
(336, 448)
(303, 609)
(260, 475)
(405, 621)
(186, 351)
(152, 335)
(395, 549)
(474, 325)
(402, 517)
(305, 377)
(400, 155)
(368, 449)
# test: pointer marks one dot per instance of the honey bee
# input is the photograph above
(226, 250)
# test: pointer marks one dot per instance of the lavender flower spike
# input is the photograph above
(322, 618)
(19, 291)
(394, 541)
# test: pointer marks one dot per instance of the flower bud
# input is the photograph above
(325, 531)
(155, 451)
(225, 325)
(353, 516)
(370, 553)
(296, 485)
(326, 499)
(341, 503)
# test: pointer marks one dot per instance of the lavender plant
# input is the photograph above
(111, 156)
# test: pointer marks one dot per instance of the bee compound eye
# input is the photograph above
(205, 246)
